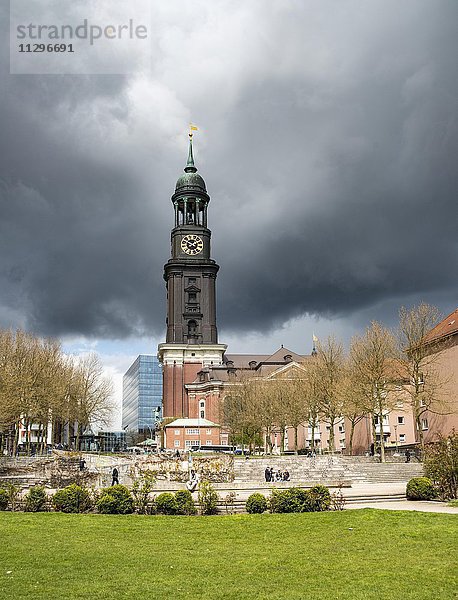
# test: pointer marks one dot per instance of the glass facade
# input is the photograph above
(141, 394)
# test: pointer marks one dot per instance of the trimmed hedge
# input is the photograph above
(72, 499)
(256, 504)
(166, 504)
(294, 500)
(420, 488)
(185, 503)
(115, 500)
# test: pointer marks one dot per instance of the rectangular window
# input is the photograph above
(189, 443)
(192, 432)
(401, 421)
(177, 432)
(177, 443)
(402, 437)
(202, 414)
(209, 431)
(208, 442)
(424, 424)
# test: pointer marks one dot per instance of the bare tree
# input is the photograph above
(38, 384)
(330, 362)
(90, 394)
(418, 369)
(307, 391)
(297, 407)
(372, 356)
(354, 405)
(238, 415)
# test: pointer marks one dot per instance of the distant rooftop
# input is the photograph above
(446, 328)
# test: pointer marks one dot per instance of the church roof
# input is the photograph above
(280, 356)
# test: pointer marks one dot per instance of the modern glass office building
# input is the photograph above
(141, 394)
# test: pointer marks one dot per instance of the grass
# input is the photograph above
(452, 503)
(359, 554)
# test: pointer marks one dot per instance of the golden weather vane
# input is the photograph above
(192, 128)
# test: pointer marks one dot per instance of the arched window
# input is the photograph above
(202, 409)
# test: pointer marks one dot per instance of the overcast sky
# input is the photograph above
(328, 139)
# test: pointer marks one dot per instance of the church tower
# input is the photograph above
(190, 276)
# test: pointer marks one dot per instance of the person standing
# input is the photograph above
(115, 477)
(267, 474)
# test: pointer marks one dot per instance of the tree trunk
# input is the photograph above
(421, 438)
(374, 434)
(352, 431)
(382, 438)
(331, 442)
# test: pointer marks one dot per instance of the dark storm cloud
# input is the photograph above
(328, 141)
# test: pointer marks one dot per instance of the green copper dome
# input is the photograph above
(190, 178)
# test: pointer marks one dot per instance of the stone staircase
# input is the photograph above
(327, 470)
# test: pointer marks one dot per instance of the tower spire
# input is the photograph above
(190, 166)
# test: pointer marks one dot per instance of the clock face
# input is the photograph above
(192, 244)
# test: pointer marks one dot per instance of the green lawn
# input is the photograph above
(359, 554)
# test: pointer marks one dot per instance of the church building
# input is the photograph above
(198, 373)
(196, 369)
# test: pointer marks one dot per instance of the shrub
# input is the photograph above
(13, 495)
(420, 488)
(166, 504)
(256, 504)
(184, 502)
(229, 501)
(115, 500)
(4, 499)
(441, 465)
(319, 498)
(141, 490)
(35, 499)
(338, 500)
(288, 501)
(208, 498)
(72, 499)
